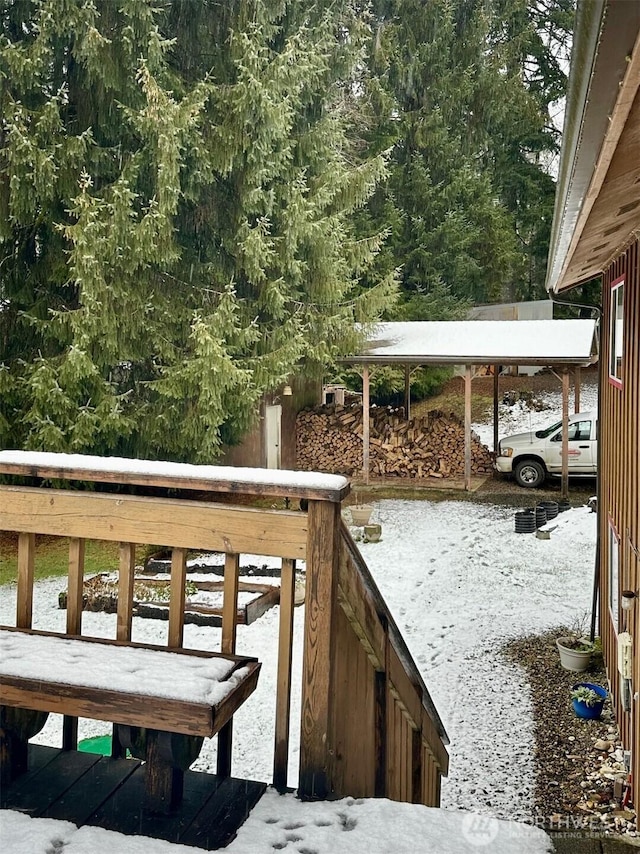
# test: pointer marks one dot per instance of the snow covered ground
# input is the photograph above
(519, 418)
(459, 581)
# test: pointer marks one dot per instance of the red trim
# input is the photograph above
(614, 381)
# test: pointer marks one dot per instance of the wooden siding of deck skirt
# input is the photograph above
(619, 501)
(385, 740)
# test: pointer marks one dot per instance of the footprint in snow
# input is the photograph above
(346, 822)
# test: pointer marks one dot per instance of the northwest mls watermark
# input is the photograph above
(482, 830)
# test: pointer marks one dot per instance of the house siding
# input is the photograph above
(619, 476)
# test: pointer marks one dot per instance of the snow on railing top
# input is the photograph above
(247, 481)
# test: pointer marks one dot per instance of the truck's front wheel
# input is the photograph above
(529, 473)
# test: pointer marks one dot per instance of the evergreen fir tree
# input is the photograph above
(469, 85)
(179, 183)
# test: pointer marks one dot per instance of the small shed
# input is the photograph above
(562, 345)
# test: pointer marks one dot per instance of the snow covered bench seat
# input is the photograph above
(165, 701)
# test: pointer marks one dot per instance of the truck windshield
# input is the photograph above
(542, 434)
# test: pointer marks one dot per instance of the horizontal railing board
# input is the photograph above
(223, 479)
(162, 521)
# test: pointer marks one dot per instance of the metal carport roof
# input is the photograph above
(548, 343)
(480, 342)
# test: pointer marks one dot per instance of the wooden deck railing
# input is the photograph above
(368, 726)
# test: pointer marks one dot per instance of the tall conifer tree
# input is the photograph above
(465, 88)
(179, 182)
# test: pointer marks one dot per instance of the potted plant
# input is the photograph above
(575, 652)
(588, 700)
(360, 513)
(372, 533)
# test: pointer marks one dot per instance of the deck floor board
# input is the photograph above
(35, 791)
(89, 792)
(229, 808)
(88, 789)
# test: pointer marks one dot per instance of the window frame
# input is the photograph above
(616, 332)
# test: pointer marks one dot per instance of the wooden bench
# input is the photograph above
(164, 701)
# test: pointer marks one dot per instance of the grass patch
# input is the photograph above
(453, 401)
(52, 557)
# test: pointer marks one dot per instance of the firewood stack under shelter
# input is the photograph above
(329, 438)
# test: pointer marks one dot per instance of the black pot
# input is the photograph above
(551, 508)
(525, 522)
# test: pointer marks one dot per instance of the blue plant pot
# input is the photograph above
(590, 712)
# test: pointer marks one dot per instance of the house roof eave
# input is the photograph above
(602, 85)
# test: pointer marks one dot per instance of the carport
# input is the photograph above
(563, 346)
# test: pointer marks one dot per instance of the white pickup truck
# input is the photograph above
(534, 455)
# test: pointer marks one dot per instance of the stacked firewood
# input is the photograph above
(329, 439)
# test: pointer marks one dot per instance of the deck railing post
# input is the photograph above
(316, 734)
(75, 588)
(283, 686)
(177, 598)
(228, 646)
(26, 552)
(124, 617)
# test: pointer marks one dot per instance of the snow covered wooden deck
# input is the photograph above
(368, 726)
(99, 791)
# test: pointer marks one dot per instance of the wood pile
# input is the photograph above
(329, 439)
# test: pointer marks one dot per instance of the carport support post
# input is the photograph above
(565, 433)
(576, 389)
(407, 392)
(365, 423)
(467, 427)
(496, 370)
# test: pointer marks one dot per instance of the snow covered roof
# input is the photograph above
(252, 481)
(481, 342)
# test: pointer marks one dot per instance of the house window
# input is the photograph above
(616, 332)
(614, 548)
